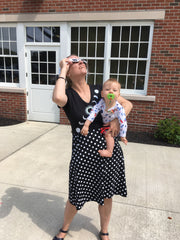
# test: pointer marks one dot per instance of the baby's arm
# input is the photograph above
(85, 129)
(123, 123)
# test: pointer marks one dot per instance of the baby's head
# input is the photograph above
(111, 89)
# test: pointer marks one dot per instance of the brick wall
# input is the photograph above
(13, 106)
(165, 61)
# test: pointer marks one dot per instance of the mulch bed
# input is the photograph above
(136, 137)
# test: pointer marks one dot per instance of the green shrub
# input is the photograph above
(168, 130)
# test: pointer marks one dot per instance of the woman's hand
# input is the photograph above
(65, 64)
(114, 127)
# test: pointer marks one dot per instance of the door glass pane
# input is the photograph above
(51, 68)
(34, 67)
(35, 79)
(52, 56)
(43, 56)
(43, 79)
(34, 56)
(43, 67)
(52, 79)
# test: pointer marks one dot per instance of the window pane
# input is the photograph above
(0, 48)
(15, 76)
(133, 50)
(101, 34)
(1, 63)
(100, 66)
(8, 63)
(122, 80)
(143, 50)
(123, 66)
(13, 48)
(43, 67)
(115, 50)
(91, 49)
(135, 33)
(2, 77)
(91, 66)
(92, 33)
(115, 33)
(140, 82)
(145, 33)
(8, 76)
(114, 66)
(130, 82)
(6, 48)
(56, 34)
(83, 33)
(99, 79)
(43, 56)
(125, 33)
(35, 79)
(83, 49)
(38, 34)
(5, 33)
(47, 34)
(132, 67)
(15, 63)
(51, 68)
(29, 34)
(74, 34)
(74, 48)
(90, 79)
(13, 34)
(124, 49)
(51, 56)
(141, 67)
(34, 56)
(100, 50)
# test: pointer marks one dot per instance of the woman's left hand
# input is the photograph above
(114, 127)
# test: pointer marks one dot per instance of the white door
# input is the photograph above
(42, 69)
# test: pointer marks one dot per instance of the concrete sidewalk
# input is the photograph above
(34, 160)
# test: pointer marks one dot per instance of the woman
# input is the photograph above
(91, 177)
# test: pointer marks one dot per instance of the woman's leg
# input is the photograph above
(105, 214)
(69, 213)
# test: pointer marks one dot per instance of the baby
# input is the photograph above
(110, 109)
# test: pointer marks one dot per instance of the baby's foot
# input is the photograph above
(105, 153)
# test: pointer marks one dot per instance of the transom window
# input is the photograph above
(43, 34)
(43, 67)
(115, 51)
(9, 68)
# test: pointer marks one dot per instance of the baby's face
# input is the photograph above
(111, 88)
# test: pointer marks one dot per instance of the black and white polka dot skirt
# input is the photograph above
(92, 177)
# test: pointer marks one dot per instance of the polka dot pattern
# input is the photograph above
(92, 177)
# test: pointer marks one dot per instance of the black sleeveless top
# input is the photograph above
(77, 110)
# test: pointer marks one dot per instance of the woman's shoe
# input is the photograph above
(56, 238)
(103, 234)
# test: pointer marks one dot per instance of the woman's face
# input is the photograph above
(76, 69)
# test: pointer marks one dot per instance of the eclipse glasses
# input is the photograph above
(76, 60)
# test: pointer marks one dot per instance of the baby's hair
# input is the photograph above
(113, 80)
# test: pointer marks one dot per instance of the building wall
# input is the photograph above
(165, 61)
(13, 105)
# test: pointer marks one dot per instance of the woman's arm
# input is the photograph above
(59, 93)
(127, 105)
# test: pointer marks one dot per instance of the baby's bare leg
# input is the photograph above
(110, 146)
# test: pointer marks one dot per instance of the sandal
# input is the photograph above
(103, 234)
(56, 238)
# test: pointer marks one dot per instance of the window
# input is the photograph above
(43, 67)
(46, 34)
(115, 51)
(9, 66)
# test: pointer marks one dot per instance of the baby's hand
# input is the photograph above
(124, 140)
(84, 130)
